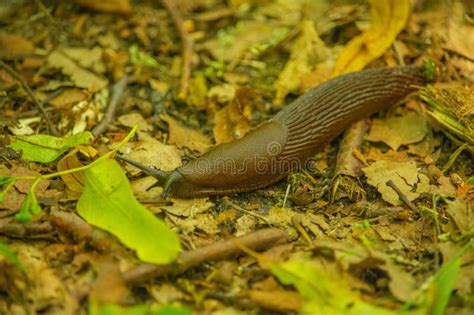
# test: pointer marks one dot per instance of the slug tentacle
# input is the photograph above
(290, 138)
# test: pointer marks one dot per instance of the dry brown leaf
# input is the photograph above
(75, 181)
(81, 77)
(68, 97)
(151, 152)
(405, 176)
(110, 6)
(14, 45)
(307, 51)
(279, 300)
(133, 119)
(460, 35)
(183, 136)
(233, 121)
(396, 131)
(389, 17)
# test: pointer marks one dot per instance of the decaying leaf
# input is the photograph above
(388, 19)
(14, 46)
(151, 152)
(75, 181)
(233, 121)
(183, 136)
(405, 175)
(108, 202)
(307, 51)
(461, 214)
(110, 6)
(135, 119)
(81, 77)
(459, 32)
(396, 131)
(87, 58)
(198, 91)
(233, 42)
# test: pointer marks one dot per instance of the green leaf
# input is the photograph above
(138, 57)
(108, 202)
(45, 148)
(324, 293)
(172, 310)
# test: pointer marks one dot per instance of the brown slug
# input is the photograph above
(288, 140)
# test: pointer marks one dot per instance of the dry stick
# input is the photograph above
(257, 240)
(28, 90)
(30, 230)
(402, 196)
(187, 44)
(115, 99)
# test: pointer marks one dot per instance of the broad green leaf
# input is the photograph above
(45, 148)
(108, 202)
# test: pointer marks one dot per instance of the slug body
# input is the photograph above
(288, 140)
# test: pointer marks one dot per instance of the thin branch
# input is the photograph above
(28, 90)
(115, 99)
(257, 240)
(187, 46)
(403, 198)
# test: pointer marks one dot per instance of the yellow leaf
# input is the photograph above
(389, 17)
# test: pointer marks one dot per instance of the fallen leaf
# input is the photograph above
(307, 51)
(133, 119)
(233, 121)
(459, 32)
(15, 46)
(45, 148)
(389, 17)
(81, 77)
(87, 58)
(108, 202)
(405, 175)
(198, 92)
(110, 6)
(75, 181)
(460, 213)
(186, 137)
(68, 97)
(396, 131)
(151, 152)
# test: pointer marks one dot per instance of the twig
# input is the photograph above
(30, 230)
(241, 209)
(28, 90)
(187, 46)
(402, 196)
(80, 230)
(257, 240)
(115, 99)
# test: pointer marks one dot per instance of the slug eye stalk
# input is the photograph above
(160, 175)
